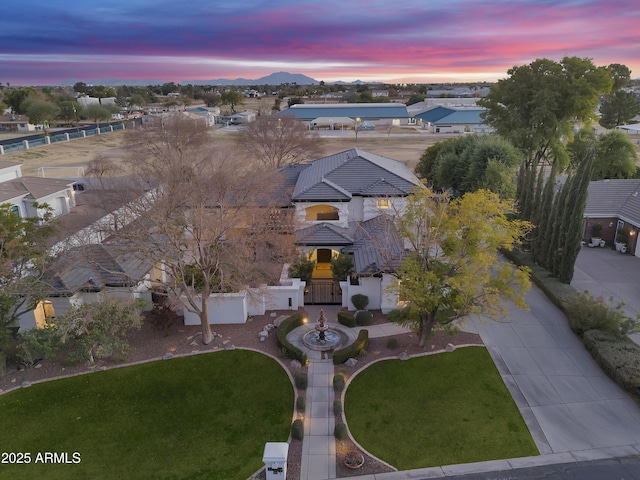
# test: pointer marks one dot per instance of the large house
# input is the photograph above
(21, 193)
(614, 204)
(343, 204)
(334, 115)
(441, 119)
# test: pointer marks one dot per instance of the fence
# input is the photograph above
(61, 137)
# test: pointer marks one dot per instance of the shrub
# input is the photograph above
(586, 313)
(297, 430)
(355, 349)
(596, 230)
(364, 318)
(338, 383)
(302, 268)
(301, 379)
(337, 407)
(392, 343)
(618, 357)
(340, 431)
(300, 404)
(342, 267)
(289, 350)
(37, 344)
(360, 301)
(346, 319)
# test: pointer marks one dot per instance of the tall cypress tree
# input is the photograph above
(543, 235)
(535, 217)
(575, 226)
(555, 227)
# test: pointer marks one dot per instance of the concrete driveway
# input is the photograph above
(569, 404)
(609, 274)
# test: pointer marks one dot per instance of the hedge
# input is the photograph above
(289, 350)
(347, 319)
(364, 318)
(353, 350)
(618, 356)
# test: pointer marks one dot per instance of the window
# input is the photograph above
(384, 203)
(15, 209)
(319, 213)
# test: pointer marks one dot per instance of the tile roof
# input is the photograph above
(353, 172)
(324, 234)
(94, 267)
(614, 198)
(377, 247)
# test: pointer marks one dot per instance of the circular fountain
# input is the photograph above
(322, 337)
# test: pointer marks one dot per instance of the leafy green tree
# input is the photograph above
(40, 112)
(302, 267)
(619, 108)
(96, 112)
(68, 111)
(470, 163)
(24, 257)
(452, 268)
(16, 97)
(616, 156)
(233, 98)
(342, 267)
(99, 329)
(536, 106)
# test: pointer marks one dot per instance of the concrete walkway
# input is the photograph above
(573, 410)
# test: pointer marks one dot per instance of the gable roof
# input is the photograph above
(353, 173)
(37, 187)
(614, 198)
(377, 247)
(94, 267)
(324, 234)
(364, 111)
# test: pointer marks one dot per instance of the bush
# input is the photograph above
(302, 268)
(586, 313)
(347, 319)
(392, 343)
(618, 357)
(340, 431)
(337, 407)
(297, 430)
(355, 349)
(301, 379)
(364, 318)
(37, 344)
(342, 267)
(289, 350)
(338, 383)
(300, 404)
(360, 301)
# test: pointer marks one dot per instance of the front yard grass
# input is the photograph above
(436, 410)
(204, 416)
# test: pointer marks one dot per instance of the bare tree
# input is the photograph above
(204, 221)
(279, 141)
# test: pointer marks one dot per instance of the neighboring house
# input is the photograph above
(379, 93)
(16, 123)
(23, 192)
(343, 204)
(158, 119)
(243, 118)
(614, 204)
(210, 114)
(372, 112)
(89, 273)
(442, 119)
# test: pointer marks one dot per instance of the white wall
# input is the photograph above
(371, 209)
(369, 286)
(10, 173)
(224, 308)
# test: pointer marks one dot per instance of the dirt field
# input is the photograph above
(405, 147)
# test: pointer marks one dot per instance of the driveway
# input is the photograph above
(569, 404)
(605, 273)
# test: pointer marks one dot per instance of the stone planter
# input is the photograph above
(354, 460)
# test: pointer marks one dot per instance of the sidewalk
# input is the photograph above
(573, 410)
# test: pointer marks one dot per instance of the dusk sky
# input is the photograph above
(46, 42)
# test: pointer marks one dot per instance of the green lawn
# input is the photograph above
(436, 410)
(204, 416)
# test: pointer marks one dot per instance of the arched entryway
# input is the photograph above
(322, 290)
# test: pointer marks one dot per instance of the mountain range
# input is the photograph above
(277, 78)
